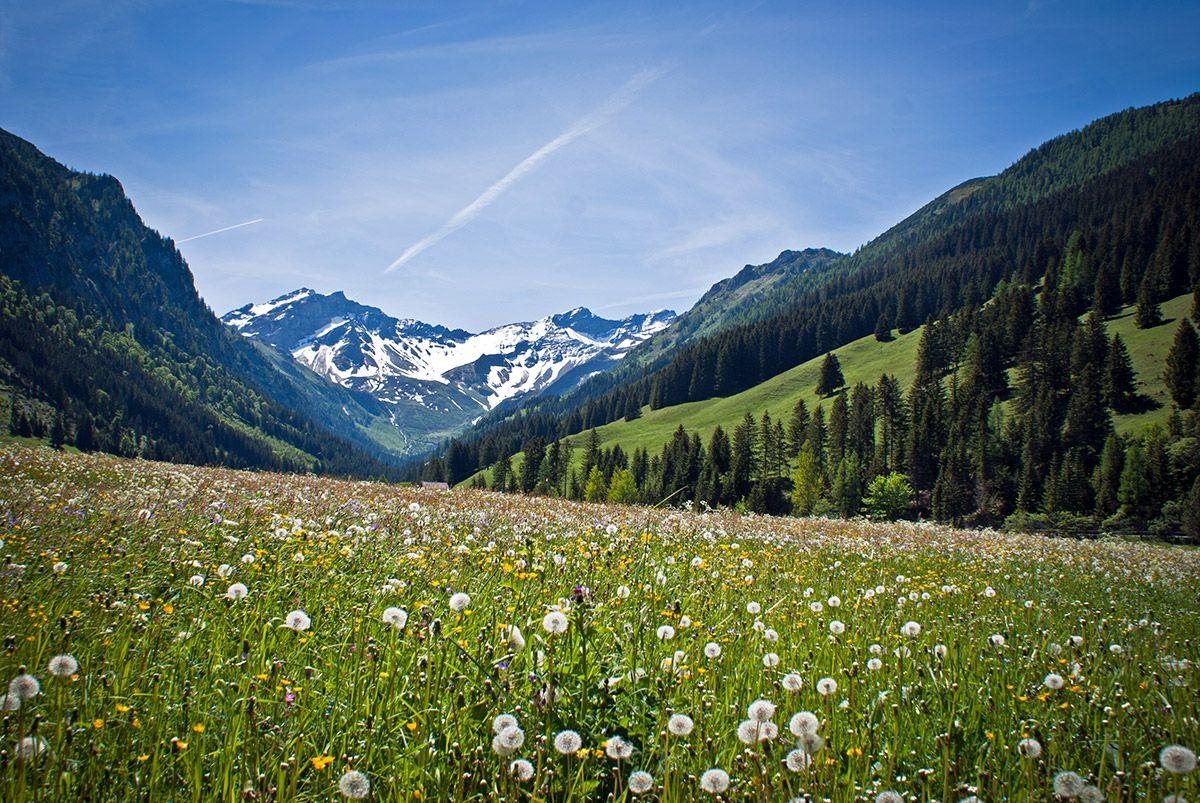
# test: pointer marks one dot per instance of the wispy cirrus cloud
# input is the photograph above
(598, 117)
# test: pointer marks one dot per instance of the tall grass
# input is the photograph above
(184, 693)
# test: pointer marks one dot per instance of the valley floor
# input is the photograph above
(240, 636)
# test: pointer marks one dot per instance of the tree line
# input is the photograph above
(1007, 420)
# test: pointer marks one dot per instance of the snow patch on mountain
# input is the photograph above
(449, 370)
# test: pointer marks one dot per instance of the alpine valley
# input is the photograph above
(434, 381)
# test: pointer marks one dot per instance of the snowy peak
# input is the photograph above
(402, 361)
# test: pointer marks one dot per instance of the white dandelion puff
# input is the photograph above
(24, 687)
(396, 617)
(1177, 759)
(30, 747)
(761, 710)
(803, 723)
(680, 724)
(555, 622)
(641, 782)
(297, 620)
(354, 785)
(459, 602)
(503, 722)
(617, 748)
(567, 742)
(521, 769)
(1068, 784)
(714, 781)
(798, 760)
(63, 666)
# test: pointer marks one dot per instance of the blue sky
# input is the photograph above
(530, 157)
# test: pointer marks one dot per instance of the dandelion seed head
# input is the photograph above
(761, 710)
(30, 747)
(714, 781)
(641, 782)
(459, 602)
(24, 687)
(297, 620)
(354, 785)
(1029, 748)
(1068, 784)
(521, 769)
(680, 724)
(396, 617)
(826, 686)
(567, 742)
(798, 760)
(1177, 759)
(63, 666)
(618, 748)
(555, 622)
(791, 682)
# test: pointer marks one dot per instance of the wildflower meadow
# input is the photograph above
(178, 633)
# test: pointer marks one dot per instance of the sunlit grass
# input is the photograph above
(185, 691)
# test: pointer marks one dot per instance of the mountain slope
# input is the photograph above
(1121, 182)
(435, 380)
(106, 343)
(863, 361)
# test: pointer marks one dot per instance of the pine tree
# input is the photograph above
(1107, 479)
(883, 327)
(839, 429)
(807, 482)
(1134, 493)
(797, 428)
(623, 489)
(58, 432)
(1148, 313)
(1119, 390)
(846, 491)
(596, 489)
(1189, 519)
(1088, 422)
(1182, 371)
(831, 375)
(501, 472)
(741, 461)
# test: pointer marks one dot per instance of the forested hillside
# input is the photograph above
(1015, 386)
(105, 344)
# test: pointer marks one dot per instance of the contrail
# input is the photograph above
(598, 117)
(218, 231)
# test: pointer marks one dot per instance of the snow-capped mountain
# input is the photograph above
(450, 372)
